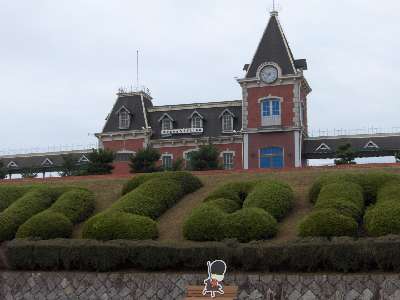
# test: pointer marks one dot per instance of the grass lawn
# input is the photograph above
(170, 224)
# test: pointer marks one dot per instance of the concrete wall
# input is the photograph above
(82, 285)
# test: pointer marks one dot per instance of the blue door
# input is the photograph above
(271, 158)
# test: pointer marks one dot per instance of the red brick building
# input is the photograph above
(265, 129)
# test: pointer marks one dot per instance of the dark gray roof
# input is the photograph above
(387, 145)
(133, 104)
(212, 123)
(273, 47)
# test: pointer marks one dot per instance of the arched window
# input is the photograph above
(271, 112)
(166, 124)
(197, 122)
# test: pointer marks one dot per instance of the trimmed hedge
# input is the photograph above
(370, 183)
(73, 206)
(150, 197)
(249, 224)
(189, 182)
(327, 223)
(307, 255)
(342, 207)
(347, 191)
(46, 225)
(11, 193)
(384, 217)
(236, 191)
(113, 225)
(226, 205)
(204, 224)
(275, 198)
(25, 207)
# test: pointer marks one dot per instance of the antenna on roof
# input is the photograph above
(274, 11)
(137, 69)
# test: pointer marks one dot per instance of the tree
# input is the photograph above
(206, 158)
(70, 166)
(100, 162)
(3, 171)
(397, 156)
(345, 155)
(144, 161)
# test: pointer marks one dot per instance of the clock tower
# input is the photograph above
(274, 108)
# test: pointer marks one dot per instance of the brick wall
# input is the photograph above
(278, 139)
(116, 145)
(254, 107)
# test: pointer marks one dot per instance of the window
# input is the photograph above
(227, 123)
(124, 119)
(271, 108)
(167, 162)
(228, 160)
(197, 122)
(166, 124)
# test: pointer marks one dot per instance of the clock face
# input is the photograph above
(269, 74)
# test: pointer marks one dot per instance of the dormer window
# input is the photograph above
(47, 163)
(166, 124)
(124, 118)
(227, 120)
(12, 164)
(196, 120)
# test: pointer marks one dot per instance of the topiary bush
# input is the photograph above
(113, 225)
(327, 223)
(249, 224)
(383, 219)
(31, 203)
(46, 225)
(149, 196)
(341, 206)
(204, 224)
(389, 192)
(236, 191)
(226, 205)
(274, 197)
(11, 193)
(346, 191)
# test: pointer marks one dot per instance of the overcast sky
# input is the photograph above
(61, 62)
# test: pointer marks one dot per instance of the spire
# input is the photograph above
(273, 47)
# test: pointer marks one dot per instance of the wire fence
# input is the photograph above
(360, 131)
(49, 149)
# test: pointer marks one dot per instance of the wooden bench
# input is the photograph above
(196, 292)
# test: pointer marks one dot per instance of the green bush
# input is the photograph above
(119, 225)
(206, 158)
(11, 193)
(46, 225)
(342, 206)
(189, 182)
(274, 197)
(383, 218)
(100, 162)
(327, 223)
(226, 205)
(249, 224)
(236, 191)
(77, 205)
(389, 192)
(204, 224)
(347, 191)
(144, 161)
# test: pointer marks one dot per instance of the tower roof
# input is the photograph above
(273, 47)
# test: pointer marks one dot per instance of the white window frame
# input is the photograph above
(12, 164)
(163, 156)
(323, 147)
(371, 145)
(47, 162)
(230, 121)
(164, 122)
(124, 123)
(197, 119)
(83, 159)
(231, 164)
(271, 120)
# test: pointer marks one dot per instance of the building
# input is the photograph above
(265, 129)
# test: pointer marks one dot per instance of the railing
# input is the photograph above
(49, 149)
(360, 131)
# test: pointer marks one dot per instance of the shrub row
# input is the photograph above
(57, 221)
(11, 193)
(384, 217)
(339, 207)
(370, 183)
(31, 203)
(309, 255)
(132, 217)
(244, 210)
